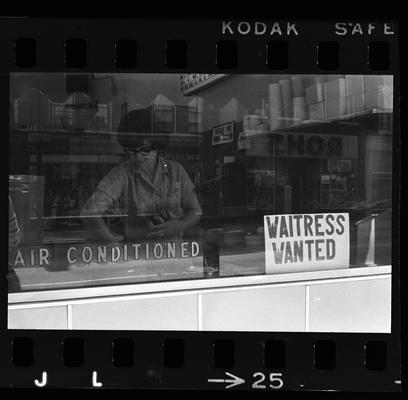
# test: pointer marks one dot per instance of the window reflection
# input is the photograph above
(184, 170)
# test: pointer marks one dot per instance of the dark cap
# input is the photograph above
(135, 130)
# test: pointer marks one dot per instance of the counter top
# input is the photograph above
(199, 284)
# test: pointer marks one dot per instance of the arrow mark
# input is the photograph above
(235, 381)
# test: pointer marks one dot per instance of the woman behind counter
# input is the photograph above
(158, 194)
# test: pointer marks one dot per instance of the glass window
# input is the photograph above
(127, 178)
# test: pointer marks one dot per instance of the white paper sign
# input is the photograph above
(223, 134)
(306, 242)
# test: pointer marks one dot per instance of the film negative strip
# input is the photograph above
(201, 204)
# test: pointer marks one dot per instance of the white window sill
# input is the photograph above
(203, 284)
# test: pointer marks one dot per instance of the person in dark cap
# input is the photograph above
(159, 197)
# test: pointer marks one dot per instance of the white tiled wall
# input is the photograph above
(355, 306)
(38, 318)
(342, 305)
(266, 309)
(140, 313)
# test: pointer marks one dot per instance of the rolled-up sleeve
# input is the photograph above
(109, 190)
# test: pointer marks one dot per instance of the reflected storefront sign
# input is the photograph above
(304, 145)
(192, 82)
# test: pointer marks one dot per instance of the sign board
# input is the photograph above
(306, 242)
(339, 166)
(305, 145)
(190, 83)
(222, 134)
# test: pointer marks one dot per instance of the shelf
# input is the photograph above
(71, 237)
(94, 132)
(352, 121)
(81, 217)
(80, 158)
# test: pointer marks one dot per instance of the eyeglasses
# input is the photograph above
(142, 149)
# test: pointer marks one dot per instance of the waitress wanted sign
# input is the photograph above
(306, 242)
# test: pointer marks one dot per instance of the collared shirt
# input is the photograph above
(169, 195)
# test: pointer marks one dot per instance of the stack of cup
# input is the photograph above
(287, 106)
(300, 111)
(275, 106)
(298, 88)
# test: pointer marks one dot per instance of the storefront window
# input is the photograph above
(128, 178)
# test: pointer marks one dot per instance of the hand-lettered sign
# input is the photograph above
(306, 242)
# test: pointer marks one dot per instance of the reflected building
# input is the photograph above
(70, 145)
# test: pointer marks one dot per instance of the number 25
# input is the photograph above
(275, 379)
